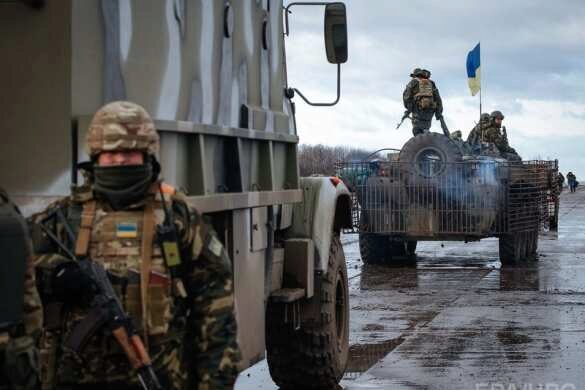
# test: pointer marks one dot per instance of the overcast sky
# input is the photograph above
(533, 70)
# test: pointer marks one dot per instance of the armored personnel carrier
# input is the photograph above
(435, 189)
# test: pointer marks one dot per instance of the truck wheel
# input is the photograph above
(314, 356)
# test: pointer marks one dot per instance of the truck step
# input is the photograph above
(287, 295)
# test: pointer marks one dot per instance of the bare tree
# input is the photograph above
(321, 159)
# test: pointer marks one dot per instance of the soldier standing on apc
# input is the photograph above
(177, 288)
(422, 99)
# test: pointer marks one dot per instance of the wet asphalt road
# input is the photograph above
(462, 321)
(459, 320)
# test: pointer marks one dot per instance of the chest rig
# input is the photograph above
(124, 243)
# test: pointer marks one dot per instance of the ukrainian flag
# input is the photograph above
(474, 70)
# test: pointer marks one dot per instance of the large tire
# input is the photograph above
(532, 246)
(518, 247)
(374, 248)
(314, 356)
(438, 145)
(378, 249)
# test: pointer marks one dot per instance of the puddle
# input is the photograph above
(364, 356)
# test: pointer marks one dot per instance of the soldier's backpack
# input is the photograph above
(424, 98)
(14, 251)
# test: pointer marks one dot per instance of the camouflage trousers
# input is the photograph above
(19, 364)
(421, 122)
(111, 371)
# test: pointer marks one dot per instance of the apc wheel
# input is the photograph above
(518, 247)
(314, 356)
(374, 248)
(532, 245)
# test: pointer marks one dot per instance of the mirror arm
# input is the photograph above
(287, 12)
(325, 104)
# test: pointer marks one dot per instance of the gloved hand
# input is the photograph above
(70, 284)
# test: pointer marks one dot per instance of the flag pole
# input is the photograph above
(480, 124)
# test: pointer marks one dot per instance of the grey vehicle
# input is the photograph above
(213, 76)
(436, 189)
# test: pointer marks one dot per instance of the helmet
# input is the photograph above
(426, 73)
(496, 114)
(121, 126)
(416, 72)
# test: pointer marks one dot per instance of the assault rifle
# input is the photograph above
(106, 311)
(406, 115)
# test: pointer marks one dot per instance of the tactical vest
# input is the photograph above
(424, 98)
(121, 241)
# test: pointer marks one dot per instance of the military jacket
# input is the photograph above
(418, 90)
(33, 314)
(18, 353)
(491, 134)
(191, 339)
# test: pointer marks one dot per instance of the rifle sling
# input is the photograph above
(147, 241)
(84, 236)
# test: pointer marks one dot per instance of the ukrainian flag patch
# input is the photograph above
(126, 230)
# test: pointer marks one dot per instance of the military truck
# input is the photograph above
(213, 76)
(436, 189)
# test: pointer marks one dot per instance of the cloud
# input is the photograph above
(533, 62)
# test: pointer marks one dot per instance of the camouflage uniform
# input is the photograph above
(421, 97)
(18, 352)
(190, 325)
(487, 131)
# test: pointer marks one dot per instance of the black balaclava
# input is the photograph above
(124, 185)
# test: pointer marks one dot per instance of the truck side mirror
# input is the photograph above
(336, 33)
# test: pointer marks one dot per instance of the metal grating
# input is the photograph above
(432, 198)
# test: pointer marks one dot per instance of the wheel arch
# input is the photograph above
(325, 209)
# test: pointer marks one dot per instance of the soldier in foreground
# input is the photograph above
(20, 307)
(490, 131)
(421, 98)
(168, 270)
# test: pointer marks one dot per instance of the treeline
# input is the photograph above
(321, 159)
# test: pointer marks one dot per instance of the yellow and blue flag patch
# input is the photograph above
(474, 70)
(126, 230)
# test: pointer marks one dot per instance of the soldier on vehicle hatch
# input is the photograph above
(21, 313)
(490, 130)
(124, 219)
(421, 98)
